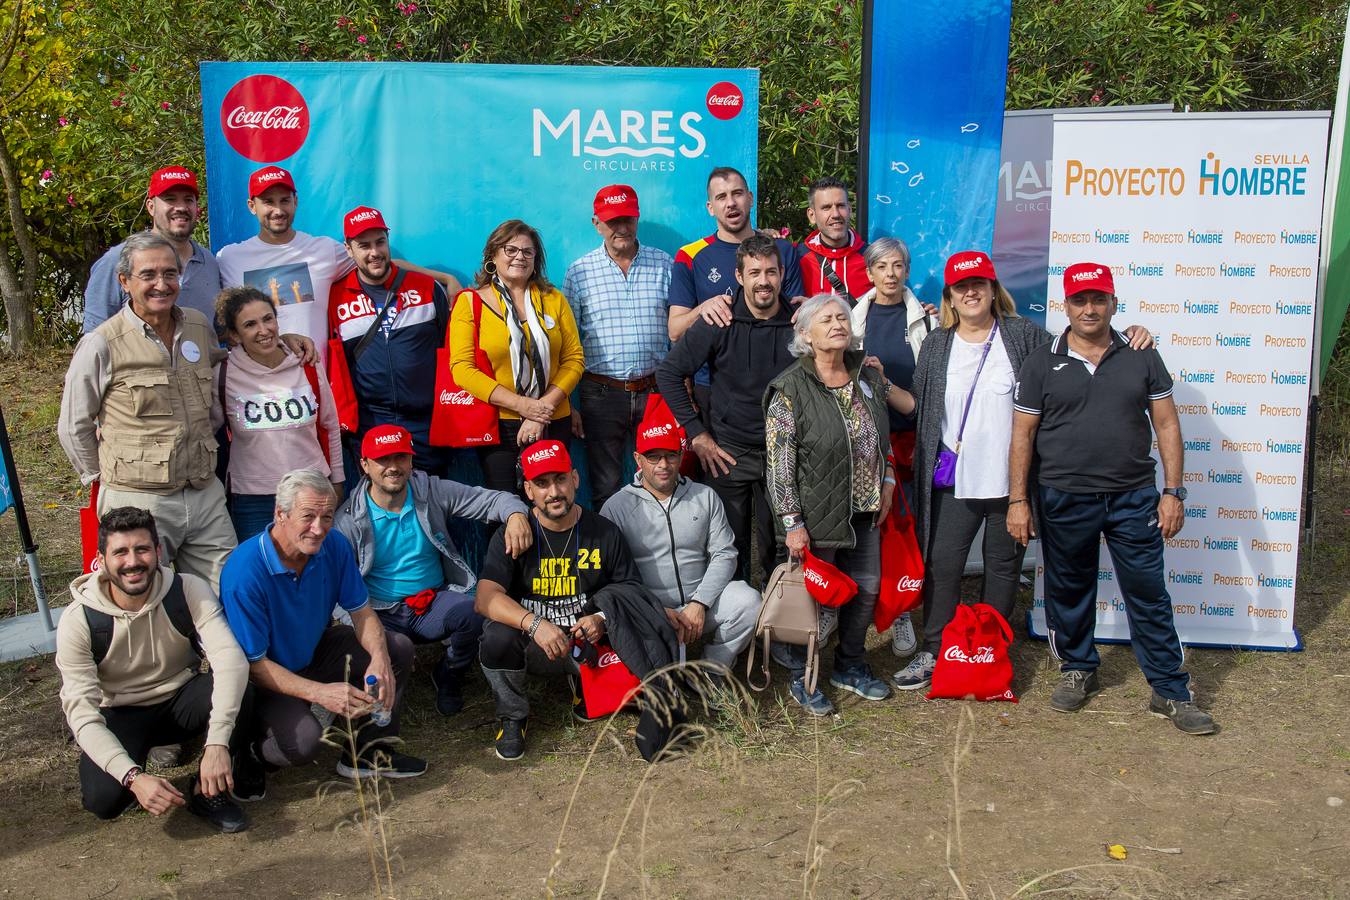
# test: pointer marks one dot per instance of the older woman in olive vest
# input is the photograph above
(831, 480)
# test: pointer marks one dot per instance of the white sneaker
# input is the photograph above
(903, 641)
(829, 621)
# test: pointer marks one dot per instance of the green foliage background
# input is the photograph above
(101, 91)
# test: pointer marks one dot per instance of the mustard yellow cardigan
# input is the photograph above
(564, 347)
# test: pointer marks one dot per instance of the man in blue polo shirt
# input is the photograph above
(1088, 406)
(398, 522)
(279, 590)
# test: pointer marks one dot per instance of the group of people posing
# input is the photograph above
(772, 398)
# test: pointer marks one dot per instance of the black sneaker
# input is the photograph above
(449, 687)
(1184, 714)
(510, 739)
(386, 764)
(250, 778)
(221, 810)
(579, 702)
(1076, 688)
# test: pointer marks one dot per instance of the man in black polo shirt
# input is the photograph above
(1085, 402)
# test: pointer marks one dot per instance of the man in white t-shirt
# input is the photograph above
(293, 268)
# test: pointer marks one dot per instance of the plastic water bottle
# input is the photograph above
(378, 714)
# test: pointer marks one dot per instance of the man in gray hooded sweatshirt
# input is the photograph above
(683, 545)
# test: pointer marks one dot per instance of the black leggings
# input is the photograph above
(954, 525)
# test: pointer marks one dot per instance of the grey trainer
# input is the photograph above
(917, 675)
(1076, 688)
(1184, 714)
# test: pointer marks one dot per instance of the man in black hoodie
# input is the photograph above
(742, 359)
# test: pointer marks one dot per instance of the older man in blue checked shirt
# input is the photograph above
(618, 294)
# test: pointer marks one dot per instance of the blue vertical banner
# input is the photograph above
(935, 121)
(6, 495)
(448, 151)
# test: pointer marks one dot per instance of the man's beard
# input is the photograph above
(547, 513)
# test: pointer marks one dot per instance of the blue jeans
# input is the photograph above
(251, 513)
(1071, 527)
(450, 619)
(862, 563)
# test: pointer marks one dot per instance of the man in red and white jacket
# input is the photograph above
(831, 257)
(391, 320)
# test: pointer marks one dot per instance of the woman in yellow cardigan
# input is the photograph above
(530, 338)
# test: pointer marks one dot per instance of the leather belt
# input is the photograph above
(646, 383)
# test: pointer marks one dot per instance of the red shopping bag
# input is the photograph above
(458, 418)
(901, 566)
(902, 448)
(607, 684)
(89, 530)
(974, 662)
(825, 583)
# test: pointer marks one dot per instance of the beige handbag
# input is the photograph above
(790, 616)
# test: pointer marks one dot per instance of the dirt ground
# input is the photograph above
(879, 801)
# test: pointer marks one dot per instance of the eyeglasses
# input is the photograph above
(523, 252)
(169, 277)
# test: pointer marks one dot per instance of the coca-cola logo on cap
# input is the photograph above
(264, 118)
(725, 100)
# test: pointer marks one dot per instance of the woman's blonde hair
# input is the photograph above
(1003, 307)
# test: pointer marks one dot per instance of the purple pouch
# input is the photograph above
(944, 472)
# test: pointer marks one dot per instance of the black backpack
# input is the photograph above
(175, 606)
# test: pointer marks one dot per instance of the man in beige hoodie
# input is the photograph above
(129, 648)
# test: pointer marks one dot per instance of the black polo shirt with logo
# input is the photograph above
(1095, 433)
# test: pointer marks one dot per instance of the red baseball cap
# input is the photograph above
(615, 200)
(544, 458)
(1088, 276)
(361, 220)
(170, 177)
(658, 429)
(267, 177)
(968, 264)
(386, 440)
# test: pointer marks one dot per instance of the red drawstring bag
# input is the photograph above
(458, 418)
(608, 684)
(825, 583)
(974, 662)
(901, 566)
(89, 531)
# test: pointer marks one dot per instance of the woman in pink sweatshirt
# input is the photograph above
(279, 413)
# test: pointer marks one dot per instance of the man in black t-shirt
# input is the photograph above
(1085, 401)
(538, 603)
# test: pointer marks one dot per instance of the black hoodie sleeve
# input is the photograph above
(686, 357)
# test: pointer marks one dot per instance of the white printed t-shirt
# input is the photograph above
(982, 465)
(296, 275)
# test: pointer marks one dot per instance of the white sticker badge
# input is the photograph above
(191, 352)
(549, 321)
(866, 389)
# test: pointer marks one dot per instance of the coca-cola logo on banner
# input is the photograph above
(264, 118)
(725, 100)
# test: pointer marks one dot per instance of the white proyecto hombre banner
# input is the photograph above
(1210, 224)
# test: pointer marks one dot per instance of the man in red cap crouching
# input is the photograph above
(539, 603)
(683, 545)
(398, 522)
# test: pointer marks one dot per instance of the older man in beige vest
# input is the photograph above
(138, 413)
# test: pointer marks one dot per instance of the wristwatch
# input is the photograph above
(793, 521)
(1178, 492)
